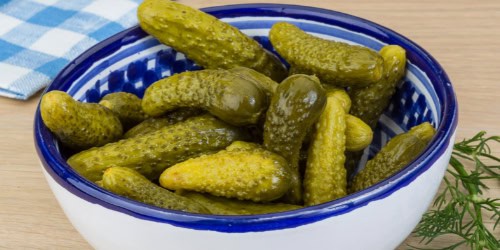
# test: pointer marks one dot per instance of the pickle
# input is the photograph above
(243, 145)
(206, 40)
(332, 62)
(147, 126)
(246, 174)
(76, 124)
(370, 102)
(224, 94)
(325, 176)
(225, 206)
(396, 154)
(296, 105)
(266, 83)
(126, 106)
(129, 183)
(358, 134)
(152, 124)
(152, 153)
(341, 96)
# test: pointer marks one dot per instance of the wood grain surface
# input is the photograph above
(463, 35)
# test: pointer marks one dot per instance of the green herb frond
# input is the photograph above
(458, 210)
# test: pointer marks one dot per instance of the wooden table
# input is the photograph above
(464, 36)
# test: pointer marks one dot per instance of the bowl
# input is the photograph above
(379, 217)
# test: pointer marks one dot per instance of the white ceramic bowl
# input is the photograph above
(380, 217)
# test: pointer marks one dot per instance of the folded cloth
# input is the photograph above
(38, 38)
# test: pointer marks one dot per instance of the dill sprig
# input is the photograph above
(460, 208)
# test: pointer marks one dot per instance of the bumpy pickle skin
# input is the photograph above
(245, 174)
(332, 62)
(266, 83)
(131, 184)
(224, 94)
(325, 176)
(296, 105)
(225, 206)
(79, 125)
(206, 40)
(153, 123)
(126, 106)
(151, 153)
(358, 134)
(341, 96)
(395, 155)
(370, 102)
(243, 145)
(147, 126)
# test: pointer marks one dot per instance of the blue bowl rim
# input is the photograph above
(79, 186)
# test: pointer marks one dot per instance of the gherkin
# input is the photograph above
(225, 206)
(126, 106)
(295, 107)
(243, 145)
(242, 173)
(325, 175)
(370, 102)
(358, 134)
(266, 83)
(341, 95)
(147, 126)
(79, 125)
(230, 97)
(396, 154)
(206, 40)
(152, 153)
(154, 123)
(129, 183)
(332, 62)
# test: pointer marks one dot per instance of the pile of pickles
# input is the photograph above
(245, 135)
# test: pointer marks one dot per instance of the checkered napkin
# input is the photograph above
(38, 38)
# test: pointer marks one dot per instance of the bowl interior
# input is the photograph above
(136, 65)
(132, 60)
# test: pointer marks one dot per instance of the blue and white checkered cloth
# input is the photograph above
(39, 37)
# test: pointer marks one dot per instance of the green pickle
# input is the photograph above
(266, 83)
(131, 184)
(298, 102)
(370, 102)
(341, 96)
(358, 134)
(226, 95)
(396, 154)
(155, 123)
(209, 42)
(325, 176)
(79, 125)
(147, 126)
(242, 173)
(337, 63)
(152, 153)
(126, 106)
(243, 145)
(224, 206)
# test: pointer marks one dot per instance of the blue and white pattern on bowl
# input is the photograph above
(131, 60)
